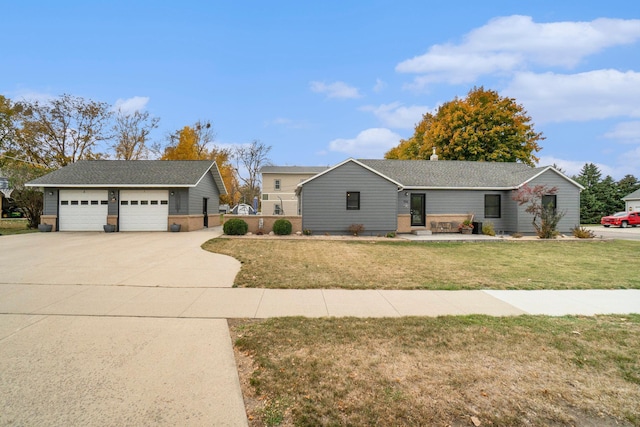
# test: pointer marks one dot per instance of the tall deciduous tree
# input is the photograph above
(62, 131)
(483, 127)
(185, 149)
(196, 143)
(27, 198)
(8, 116)
(131, 131)
(249, 159)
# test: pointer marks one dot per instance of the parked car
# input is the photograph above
(621, 219)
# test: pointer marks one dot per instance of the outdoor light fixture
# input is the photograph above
(51, 193)
(406, 193)
(171, 193)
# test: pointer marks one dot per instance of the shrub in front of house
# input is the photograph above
(282, 227)
(356, 229)
(487, 229)
(582, 233)
(235, 227)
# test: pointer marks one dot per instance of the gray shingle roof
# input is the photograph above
(293, 169)
(130, 173)
(633, 196)
(454, 174)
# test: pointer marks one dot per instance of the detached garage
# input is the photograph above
(138, 195)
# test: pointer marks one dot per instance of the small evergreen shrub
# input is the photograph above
(307, 232)
(235, 227)
(487, 228)
(582, 233)
(391, 234)
(282, 227)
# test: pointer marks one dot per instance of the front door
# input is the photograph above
(417, 210)
(204, 212)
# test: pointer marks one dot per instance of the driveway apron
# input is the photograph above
(111, 348)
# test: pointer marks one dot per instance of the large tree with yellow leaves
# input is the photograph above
(196, 143)
(483, 127)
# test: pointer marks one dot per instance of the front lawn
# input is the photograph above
(394, 264)
(457, 371)
(14, 226)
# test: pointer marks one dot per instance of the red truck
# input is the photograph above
(621, 219)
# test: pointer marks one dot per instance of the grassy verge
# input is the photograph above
(526, 370)
(14, 226)
(301, 264)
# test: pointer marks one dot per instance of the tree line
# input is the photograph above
(602, 196)
(37, 137)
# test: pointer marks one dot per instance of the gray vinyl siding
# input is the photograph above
(179, 202)
(114, 205)
(463, 202)
(50, 202)
(567, 197)
(205, 188)
(323, 202)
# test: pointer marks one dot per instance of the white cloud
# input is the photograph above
(396, 115)
(573, 167)
(131, 105)
(626, 132)
(629, 163)
(600, 94)
(286, 123)
(512, 43)
(379, 86)
(335, 89)
(32, 96)
(371, 143)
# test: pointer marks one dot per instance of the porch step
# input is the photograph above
(422, 232)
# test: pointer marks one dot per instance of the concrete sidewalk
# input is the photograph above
(224, 303)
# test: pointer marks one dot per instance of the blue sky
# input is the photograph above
(324, 81)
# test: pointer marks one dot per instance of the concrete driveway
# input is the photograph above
(132, 259)
(79, 364)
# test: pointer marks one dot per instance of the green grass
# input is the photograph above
(14, 226)
(325, 264)
(526, 370)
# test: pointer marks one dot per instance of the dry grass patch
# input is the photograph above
(383, 264)
(527, 370)
(14, 226)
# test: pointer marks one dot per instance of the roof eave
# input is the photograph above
(111, 185)
(557, 172)
(418, 187)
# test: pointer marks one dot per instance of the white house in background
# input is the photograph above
(279, 187)
(632, 202)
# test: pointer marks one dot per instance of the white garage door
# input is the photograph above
(144, 210)
(83, 210)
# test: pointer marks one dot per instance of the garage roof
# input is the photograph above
(131, 173)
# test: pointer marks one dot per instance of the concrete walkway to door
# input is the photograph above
(130, 328)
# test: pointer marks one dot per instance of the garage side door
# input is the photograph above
(83, 210)
(144, 210)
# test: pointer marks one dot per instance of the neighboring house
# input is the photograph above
(412, 195)
(632, 202)
(134, 195)
(279, 187)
